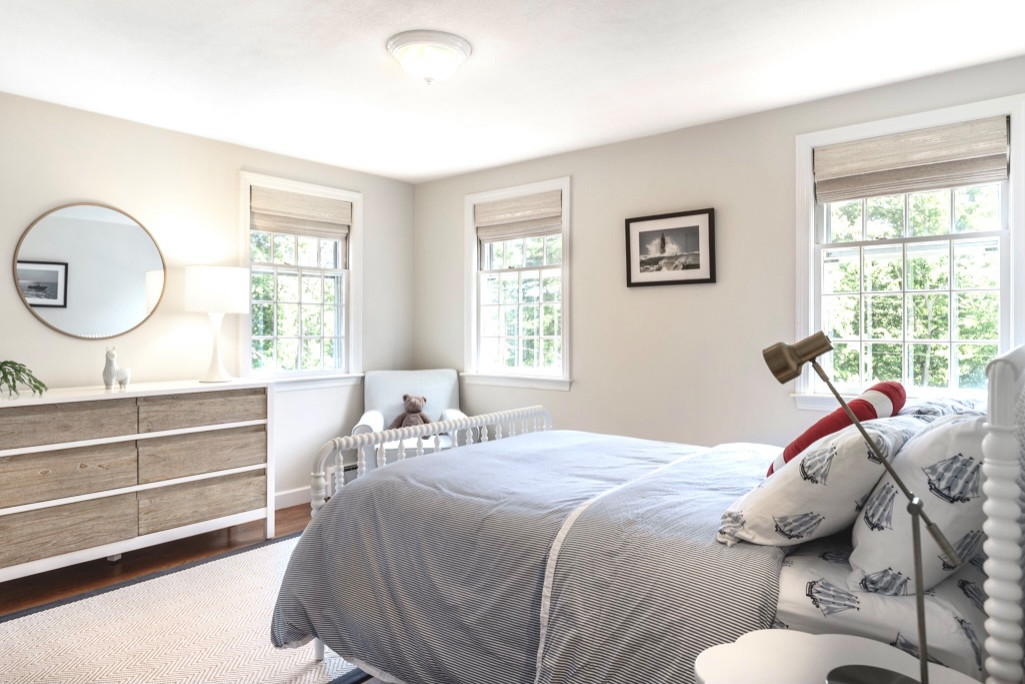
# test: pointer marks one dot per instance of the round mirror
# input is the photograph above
(89, 270)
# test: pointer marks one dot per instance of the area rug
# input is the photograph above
(207, 622)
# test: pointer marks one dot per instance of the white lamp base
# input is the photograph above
(216, 372)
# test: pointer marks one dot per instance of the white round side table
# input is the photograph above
(784, 656)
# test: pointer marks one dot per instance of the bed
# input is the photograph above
(535, 555)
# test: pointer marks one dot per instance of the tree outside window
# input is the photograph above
(910, 287)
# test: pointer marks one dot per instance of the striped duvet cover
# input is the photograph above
(548, 557)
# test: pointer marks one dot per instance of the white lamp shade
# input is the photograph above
(217, 289)
(154, 288)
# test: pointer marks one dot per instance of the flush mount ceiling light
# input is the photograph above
(429, 55)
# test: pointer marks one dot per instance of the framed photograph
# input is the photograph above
(44, 283)
(671, 249)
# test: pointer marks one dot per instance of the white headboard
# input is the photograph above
(1004, 468)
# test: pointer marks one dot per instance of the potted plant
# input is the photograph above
(13, 374)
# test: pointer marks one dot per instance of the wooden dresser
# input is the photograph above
(87, 473)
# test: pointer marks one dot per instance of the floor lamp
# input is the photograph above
(217, 290)
(785, 362)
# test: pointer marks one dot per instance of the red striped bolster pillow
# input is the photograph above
(878, 401)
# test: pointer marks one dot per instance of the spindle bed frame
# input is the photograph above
(1004, 487)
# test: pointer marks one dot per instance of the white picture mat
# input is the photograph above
(703, 272)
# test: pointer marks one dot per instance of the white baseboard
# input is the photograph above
(292, 497)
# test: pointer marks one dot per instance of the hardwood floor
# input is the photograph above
(36, 590)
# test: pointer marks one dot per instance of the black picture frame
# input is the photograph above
(671, 249)
(43, 283)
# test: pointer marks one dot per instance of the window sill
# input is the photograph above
(297, 383)
(823, 403)
(827, 402)
(520, 381)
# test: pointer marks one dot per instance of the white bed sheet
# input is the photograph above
(814, 597)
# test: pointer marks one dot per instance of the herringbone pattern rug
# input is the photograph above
(208, 623)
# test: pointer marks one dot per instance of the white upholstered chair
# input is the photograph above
(382, 402)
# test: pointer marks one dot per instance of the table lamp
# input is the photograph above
(217, 290)
(785, 362)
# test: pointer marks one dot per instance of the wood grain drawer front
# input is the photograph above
(166, 458)
(52, 531)
(25, 426)
(192, 502)
(176, 411)
(29, 478)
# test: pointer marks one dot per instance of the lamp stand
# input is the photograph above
(869, 674)
(857, 674)
(216, 372)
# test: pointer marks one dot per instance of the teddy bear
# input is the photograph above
(413, 415)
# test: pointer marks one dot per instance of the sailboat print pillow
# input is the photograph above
(818, 492)
(943, 467)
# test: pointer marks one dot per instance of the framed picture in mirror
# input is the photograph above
(43, 283)
(120, 274)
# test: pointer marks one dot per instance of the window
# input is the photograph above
(517, 293)
(910, 287)
(907, 250)
(300, 243)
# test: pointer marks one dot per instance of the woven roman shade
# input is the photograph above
(518, 217)
(967, 153)
(281, 211)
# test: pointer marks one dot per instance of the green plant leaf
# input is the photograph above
(13, 374)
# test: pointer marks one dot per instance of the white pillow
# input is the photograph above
(938, 407)
(943, 467)
(818, 492)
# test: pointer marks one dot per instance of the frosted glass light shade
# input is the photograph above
(217, 289)
(429, 55)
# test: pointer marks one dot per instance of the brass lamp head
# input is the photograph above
(785, 360)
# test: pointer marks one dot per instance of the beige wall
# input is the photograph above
(185, 191)
(676, 362)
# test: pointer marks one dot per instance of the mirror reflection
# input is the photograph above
(89, 270)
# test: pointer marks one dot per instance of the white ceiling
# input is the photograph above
(312, 79)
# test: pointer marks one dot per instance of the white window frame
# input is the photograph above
(1012, 281)
(471, 374)
(354, 283)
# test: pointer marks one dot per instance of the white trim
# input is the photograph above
(354, 264)
(470, 270)
(815, 402)
(520, 381)
(63, 395)
(271, 463)
(301, 383)
(470, 266)
(292, 497)
(107, 493)
(138, 437)
(1012, 284)
(354, 321)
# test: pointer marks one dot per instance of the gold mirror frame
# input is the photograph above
(84, 336)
